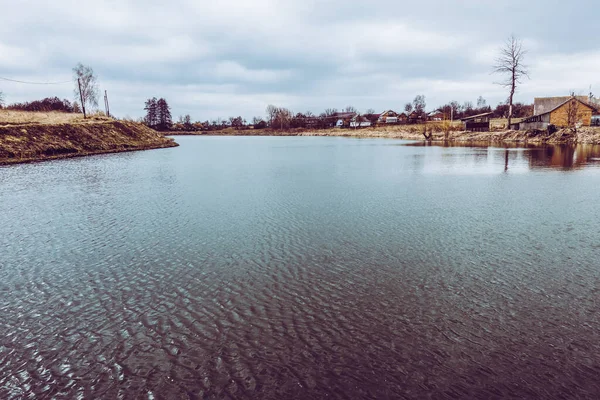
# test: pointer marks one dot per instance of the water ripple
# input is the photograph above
(244, 268)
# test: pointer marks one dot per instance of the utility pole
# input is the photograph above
(106, 104)
(81, 97)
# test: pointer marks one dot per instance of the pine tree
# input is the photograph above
(163, 114)
(151, 112)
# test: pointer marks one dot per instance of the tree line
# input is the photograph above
(158, 116)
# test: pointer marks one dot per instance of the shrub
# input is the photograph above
(47, 104)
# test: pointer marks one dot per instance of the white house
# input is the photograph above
(359, 122)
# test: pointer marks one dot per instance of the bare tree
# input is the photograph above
(284, 116)
(481, 103)
(329, 112)
(419, 104)
(1, 99)
(86, 87)
(236, 122)
(408, 107)
(510, 63)
(186, 121)
(271, 113)
(574, 115)
(350, 109)
(455, 108)
(279, 117)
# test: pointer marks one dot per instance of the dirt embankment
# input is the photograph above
(35, 141)
(586, 135)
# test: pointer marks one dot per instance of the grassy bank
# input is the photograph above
(439, 132)
(50, 138)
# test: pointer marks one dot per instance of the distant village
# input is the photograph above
(545, 112)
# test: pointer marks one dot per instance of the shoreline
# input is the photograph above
(29, 143)
(586, 135)
(7, 162)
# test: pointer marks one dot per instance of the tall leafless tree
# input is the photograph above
(86, 87)
(271, 113)
(510, 63)
(419, 104)
(573, 113)
(279, 117)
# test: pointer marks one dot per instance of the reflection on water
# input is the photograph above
(564, 157)
(301, 268)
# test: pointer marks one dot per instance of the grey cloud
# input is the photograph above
(229, 57)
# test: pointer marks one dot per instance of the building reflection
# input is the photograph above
(563, 157)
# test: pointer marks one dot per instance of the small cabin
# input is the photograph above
(478, 123)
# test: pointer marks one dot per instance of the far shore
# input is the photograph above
(584, 135)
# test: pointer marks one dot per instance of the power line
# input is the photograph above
(35, 83)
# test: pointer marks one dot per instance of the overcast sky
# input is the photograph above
(222, 58)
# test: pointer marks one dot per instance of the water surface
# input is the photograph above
(302, 268)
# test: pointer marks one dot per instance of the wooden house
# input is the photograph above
(435, 116)
(372, 118)
(572, 111)
(542, 105)
(478, 123)
(414, 118)
(388, 117)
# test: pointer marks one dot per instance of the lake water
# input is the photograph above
(309, 268)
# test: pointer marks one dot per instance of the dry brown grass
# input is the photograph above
(39, 141)
(12, 117)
